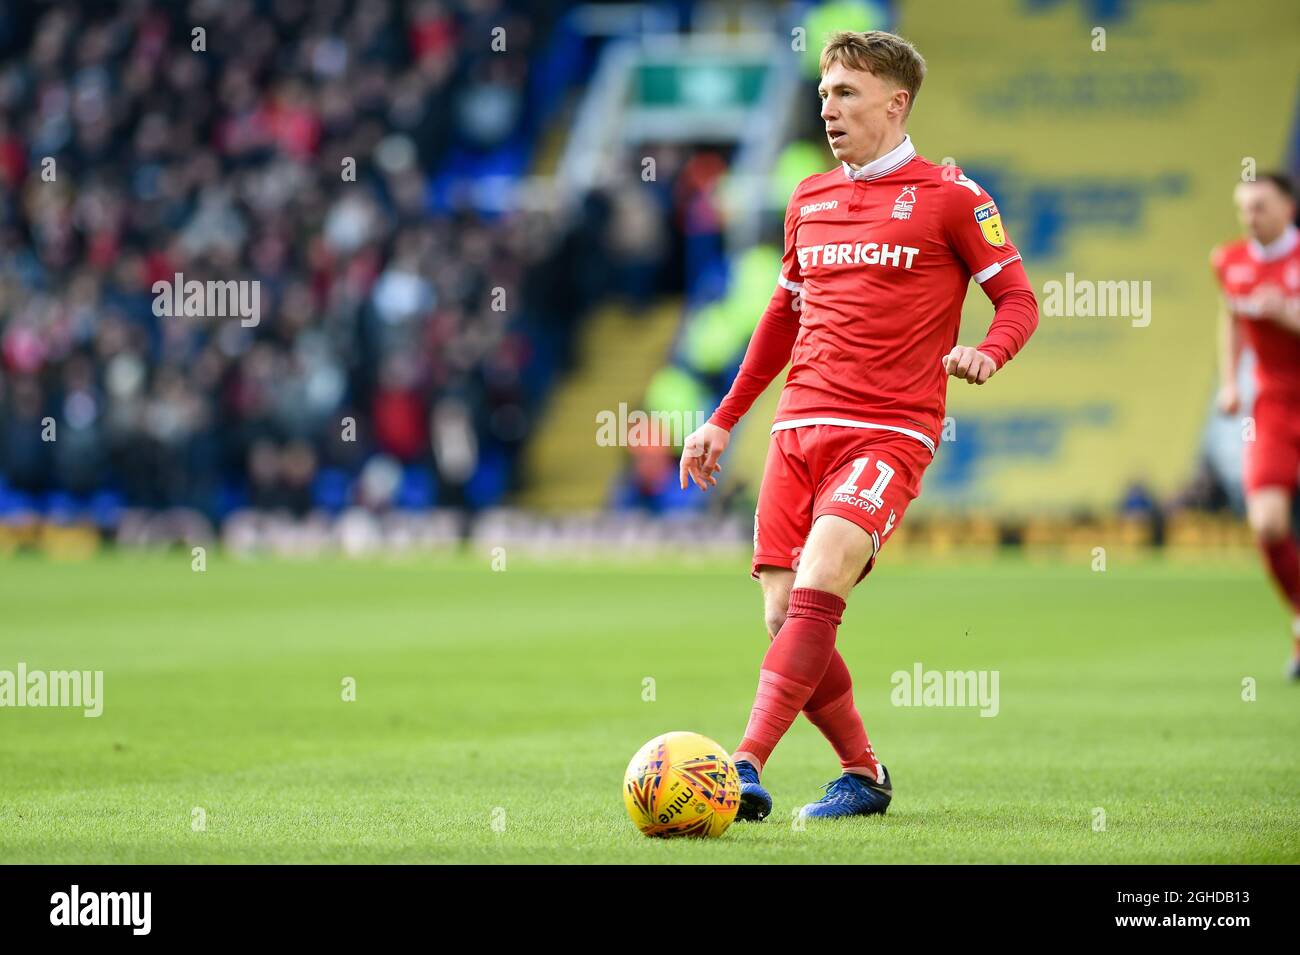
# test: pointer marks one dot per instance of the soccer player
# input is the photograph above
(1260, 279)
(879, 253)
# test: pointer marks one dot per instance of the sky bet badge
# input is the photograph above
(990, 221)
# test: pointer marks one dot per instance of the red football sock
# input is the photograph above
(834, 682)
(792, 668)
(1284, 564)
(831, 710)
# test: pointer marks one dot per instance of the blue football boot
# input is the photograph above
(851, 795)
(755, 801)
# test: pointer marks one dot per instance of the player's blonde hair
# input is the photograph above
(882, 54)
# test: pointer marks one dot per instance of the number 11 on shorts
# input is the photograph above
(874, 493)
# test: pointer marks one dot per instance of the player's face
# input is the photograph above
(1262, 209)
(859, 110)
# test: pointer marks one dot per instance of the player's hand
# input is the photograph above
(969, 364)
(700, 455)
(1228, 400)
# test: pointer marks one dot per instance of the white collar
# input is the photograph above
(1279, 247)
(896, 158)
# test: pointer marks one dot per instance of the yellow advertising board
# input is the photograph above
(1111, 135)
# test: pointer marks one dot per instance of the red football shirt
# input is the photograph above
(876, 267)
(1244, 267)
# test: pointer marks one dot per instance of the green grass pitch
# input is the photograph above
(495, 712)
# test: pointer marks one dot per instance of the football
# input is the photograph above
(681, 784)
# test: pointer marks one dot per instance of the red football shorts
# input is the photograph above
(867, 476)
(1273, 458)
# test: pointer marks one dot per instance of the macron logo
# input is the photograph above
(102, 908)
(818, 207)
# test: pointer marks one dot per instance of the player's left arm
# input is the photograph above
(978, 237)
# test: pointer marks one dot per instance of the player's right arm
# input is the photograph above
(768, 353)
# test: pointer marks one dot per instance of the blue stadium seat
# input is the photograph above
(418, 490)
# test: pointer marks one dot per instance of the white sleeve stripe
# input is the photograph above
(983, 275)
(789, 286)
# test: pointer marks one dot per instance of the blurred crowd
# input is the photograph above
(408, 331)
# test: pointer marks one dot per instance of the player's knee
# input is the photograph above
(775, 617)
(776, 583)
(1269, 520)
(1269, 528)
(833, 570)
(776, 604)
(825, 575)
(837, 551)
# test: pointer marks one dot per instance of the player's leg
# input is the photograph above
(833, 711)
(838, 550)
(870, 483)
(831, 563)
(1269, 511)
(1271, 462)
(781, 524)
(776, 583)
(834, 556)
(831, 708)
(755, 800)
